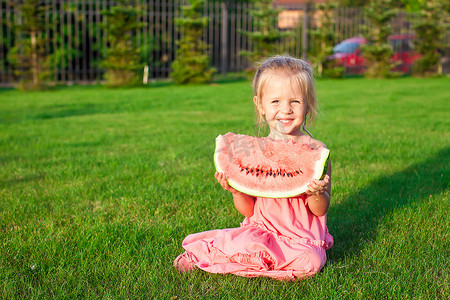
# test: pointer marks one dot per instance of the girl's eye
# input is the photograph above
(296, 101)
(275, 101)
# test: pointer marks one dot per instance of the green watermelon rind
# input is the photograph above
(325, 167)
(319, 173)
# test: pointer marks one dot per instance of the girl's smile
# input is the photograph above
(285, 121)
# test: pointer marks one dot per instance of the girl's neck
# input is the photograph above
(298, 137)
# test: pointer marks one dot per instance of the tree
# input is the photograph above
(429, 32)
(192, 64)
(378, 52)
(266, 36)
(123, 60)
(28, 56)
(324, 36)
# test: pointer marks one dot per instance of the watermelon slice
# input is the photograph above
(263, 167)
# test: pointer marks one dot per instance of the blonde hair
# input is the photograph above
(300, 71)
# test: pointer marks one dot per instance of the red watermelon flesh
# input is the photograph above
(264, 167)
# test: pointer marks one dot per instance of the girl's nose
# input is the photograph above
(286, 108)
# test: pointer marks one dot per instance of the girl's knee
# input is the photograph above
(310, 262)
(317, 260)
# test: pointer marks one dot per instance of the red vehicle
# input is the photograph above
(348, 54)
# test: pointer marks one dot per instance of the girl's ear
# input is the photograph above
(258, 105)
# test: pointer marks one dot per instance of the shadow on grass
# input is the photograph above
(57, 111)
(86, 109)
(4, 184)
(66, 111)
(354, 222)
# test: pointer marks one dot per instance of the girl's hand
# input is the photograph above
(223, 182)
(317, 187)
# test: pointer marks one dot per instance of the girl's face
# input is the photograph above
(283, 105)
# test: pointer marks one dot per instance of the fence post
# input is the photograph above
(305, 30)
(224, 50)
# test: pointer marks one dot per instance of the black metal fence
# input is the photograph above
(76, 39)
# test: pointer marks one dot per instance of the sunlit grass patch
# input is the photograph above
(99, 187)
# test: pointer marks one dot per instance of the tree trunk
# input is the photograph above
(34, 59)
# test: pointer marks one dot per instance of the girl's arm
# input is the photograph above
(243, 203)
(319, 194)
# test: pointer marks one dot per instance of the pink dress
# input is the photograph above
(283, 240)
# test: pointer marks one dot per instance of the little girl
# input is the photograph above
(283, 238)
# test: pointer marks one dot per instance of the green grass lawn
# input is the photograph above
(99, 187)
